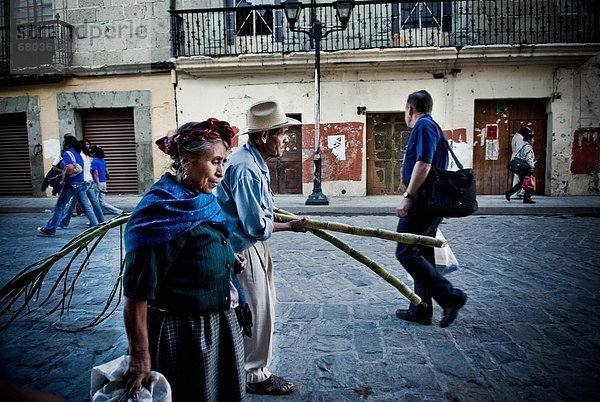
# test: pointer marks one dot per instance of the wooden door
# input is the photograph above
(286, 172)
(387, 137)
(489, 158)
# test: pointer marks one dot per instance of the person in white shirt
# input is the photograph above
(515, 145)
(524, 152)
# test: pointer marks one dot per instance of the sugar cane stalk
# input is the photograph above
(407, 238)
(371, 264)
(27, 284)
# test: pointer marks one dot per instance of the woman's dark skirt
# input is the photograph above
(201, 357)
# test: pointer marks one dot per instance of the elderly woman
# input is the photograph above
(179, 267)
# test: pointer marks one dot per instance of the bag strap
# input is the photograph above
(71, 156)
(448, 147)
(460, 166)
(519, 151)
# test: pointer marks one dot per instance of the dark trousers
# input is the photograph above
(519, 185)
(419, 262)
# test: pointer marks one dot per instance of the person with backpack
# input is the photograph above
(90, 190)
(72, 186)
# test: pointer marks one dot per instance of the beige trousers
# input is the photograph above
(259, 289)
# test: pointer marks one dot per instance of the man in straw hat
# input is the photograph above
(246, 199)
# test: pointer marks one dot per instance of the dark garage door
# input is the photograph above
(113, 130)
(15, 167)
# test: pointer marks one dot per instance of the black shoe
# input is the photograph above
(450, 313)
(528, 201)
(408, 315)
(43, 233)
(507, 196)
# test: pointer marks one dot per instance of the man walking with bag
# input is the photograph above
(426, 148)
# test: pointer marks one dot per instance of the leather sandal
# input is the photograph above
(273, 385)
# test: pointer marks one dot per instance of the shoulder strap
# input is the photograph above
(519, 151)
(448, 147)
(460, 166)
(71, 156)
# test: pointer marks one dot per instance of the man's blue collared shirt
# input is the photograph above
(423, 143)
(245, 197)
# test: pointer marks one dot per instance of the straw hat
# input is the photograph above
(266, 115)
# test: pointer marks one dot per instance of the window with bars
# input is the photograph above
(31, 11)
(425, 14)
(253, 22)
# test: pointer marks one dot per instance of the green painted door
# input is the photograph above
(387, 136)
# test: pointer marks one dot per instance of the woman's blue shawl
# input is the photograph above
(169, 210)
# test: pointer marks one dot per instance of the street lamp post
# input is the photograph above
(317, 31)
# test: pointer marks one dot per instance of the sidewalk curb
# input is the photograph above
(368, 205)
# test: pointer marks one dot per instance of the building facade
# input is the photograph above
(137, 69)
(95, 69)
(491, 66)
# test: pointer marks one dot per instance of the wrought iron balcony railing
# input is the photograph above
(36, 47)
(383, 24)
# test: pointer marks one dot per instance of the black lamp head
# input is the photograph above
(292, 10)
(343, 9)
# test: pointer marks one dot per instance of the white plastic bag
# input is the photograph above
(108, 385)
(445, 260)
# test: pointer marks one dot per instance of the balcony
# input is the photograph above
(263, 29)
(36, 48)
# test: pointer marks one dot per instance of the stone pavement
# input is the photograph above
(529, 332)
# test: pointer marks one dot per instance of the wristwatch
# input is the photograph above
(406, 195)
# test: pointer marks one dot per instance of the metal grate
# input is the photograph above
(114, 131)
(15, 167)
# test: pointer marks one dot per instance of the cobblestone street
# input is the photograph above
(529, 331)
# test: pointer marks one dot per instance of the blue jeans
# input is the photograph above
(90, 192)
(70, 190)
(102, 199)
(419, 262)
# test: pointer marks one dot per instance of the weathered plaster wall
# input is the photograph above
(342, 91)
(584, 165)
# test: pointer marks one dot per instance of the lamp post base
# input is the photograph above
(317, 198)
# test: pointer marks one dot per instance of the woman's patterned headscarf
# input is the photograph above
(211, 129)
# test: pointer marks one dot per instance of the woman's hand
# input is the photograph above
(138, 373)
(240, 264)
(135, 314)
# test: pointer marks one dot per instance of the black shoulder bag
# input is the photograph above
(518, 165)
(446, 193)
